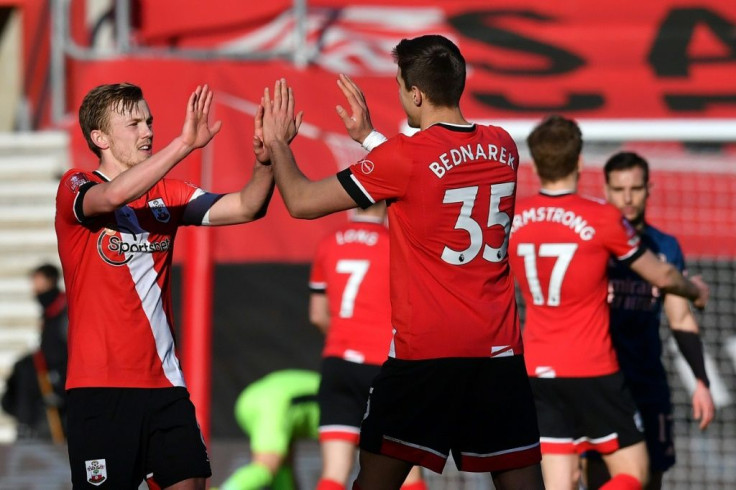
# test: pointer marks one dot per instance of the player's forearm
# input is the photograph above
(677, 284)
(256, 195)
(691, 347)
(137, 180)
(246, 205)
(292, 183)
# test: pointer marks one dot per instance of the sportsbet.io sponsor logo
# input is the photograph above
(115, 251)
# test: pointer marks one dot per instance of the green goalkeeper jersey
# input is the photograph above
(279, 408)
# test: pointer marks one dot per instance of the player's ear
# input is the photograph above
(417, 95)
(100, 139)
(580, 164)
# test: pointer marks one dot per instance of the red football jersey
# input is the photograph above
(116, 271)
(560, 247)
(451, 192)
(352, 268)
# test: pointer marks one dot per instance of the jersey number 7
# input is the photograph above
(357, 270)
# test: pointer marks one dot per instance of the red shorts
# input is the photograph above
(481, 409)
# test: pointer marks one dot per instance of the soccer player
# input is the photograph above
(560, 247)
(455, 377)
(636, 308)
(129, 413)
(349, 303)
(275, 411)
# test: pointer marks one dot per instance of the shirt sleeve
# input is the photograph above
(620, 238)
(317, 275)
(196, 202)
(678, 258)
(70, 196)
(383, 174)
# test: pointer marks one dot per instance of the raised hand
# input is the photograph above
(197, 131)
(358, 124)
(259, 148)
(278, 121)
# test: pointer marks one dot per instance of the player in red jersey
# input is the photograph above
(129, 413)
(455, 379)
(349, 303)
(560, 247)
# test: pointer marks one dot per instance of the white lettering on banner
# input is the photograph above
(554, 215)
(356, 42)
(471, 153)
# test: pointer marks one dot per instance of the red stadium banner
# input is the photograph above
(526, 58)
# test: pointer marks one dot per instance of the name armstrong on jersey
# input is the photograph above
(554, 215)
(456, 156)
(116, 251)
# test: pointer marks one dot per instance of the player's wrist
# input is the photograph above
(373, 140)
(691, 347)
(182, 144)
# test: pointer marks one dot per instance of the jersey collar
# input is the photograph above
(557, 193)
(101, 175)
(463, 128)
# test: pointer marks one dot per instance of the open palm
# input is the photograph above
(197, 131)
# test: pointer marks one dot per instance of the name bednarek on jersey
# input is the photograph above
(471, 153)
(554, 215)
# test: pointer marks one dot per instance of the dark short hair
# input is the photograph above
(94, 113)
(434, 65)
(625, 160)
(555, 145)
(49, 271)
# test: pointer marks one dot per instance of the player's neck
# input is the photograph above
(110, 168)
(639, 224)
(566, 184)
(434, 115)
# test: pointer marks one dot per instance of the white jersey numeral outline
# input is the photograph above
(357, 270)
(467, 196)
(564, 253)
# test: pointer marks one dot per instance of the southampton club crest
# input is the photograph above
(159, 210)
(96, 471)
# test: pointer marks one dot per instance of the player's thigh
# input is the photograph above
(176, 450)
(409, 414)
(342, 397)
(561, 471)
(631, 460)
(338, 458)
(106, 437)
(495, 418)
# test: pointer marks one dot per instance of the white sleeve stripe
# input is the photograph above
(362, 189)
(628, 254)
